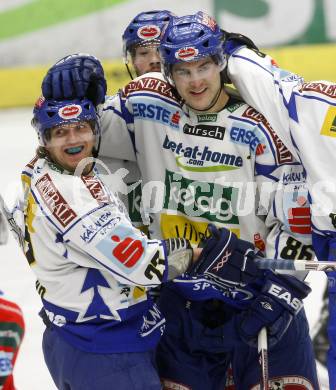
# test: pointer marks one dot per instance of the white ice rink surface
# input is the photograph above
(18, 144)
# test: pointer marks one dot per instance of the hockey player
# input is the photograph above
(11, 326)
(92, 266)
(198, 148)
(140, 39)
(303, 115)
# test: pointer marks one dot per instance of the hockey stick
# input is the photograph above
(295, 265)
(263, 358)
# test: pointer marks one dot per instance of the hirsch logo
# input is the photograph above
(149, 32)
(208, 131)
(70, 112)
(186, 53)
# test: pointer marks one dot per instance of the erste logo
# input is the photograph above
(70, 112)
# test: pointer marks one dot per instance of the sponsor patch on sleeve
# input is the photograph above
(54, 201)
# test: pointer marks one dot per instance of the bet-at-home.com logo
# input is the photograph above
(202, 159)
(210, 201)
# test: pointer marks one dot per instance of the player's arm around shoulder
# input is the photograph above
(271, 90)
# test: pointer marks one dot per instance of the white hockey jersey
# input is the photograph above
(3, 228)
(213, 167)
(92, 266)
(303, 114)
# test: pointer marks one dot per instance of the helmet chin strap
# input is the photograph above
(129, 71)
(212, 103)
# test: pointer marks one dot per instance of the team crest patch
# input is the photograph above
(70, 112)
(149, 32)
(186, 53)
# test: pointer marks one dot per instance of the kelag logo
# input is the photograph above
(208, 131)
(210, 201)
(206, 118)
(202, 159)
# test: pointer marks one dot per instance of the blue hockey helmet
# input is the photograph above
(145, 29)
(49, 113)
(191, 38)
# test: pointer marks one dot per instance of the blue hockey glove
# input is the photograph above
(75, 76)
(226, 258)
(279, 301)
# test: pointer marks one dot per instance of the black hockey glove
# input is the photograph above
(226, 258)
(279, 301)
(75, 76)
(233, 41)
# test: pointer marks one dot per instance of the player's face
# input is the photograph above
(146, 59)
(70, 143)
(199, 84)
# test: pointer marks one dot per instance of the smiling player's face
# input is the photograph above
(69, 143)
(199, 83)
